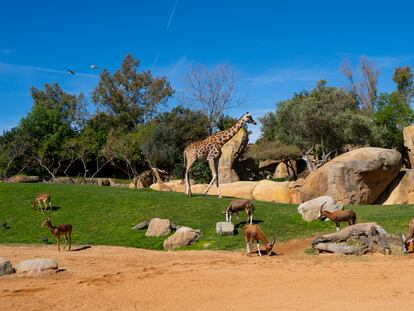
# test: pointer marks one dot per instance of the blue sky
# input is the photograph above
(277, 48)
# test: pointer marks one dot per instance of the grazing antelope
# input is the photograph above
(407, 240)
(253, 233)
(44, 198)
(236, 206)
(339, 216)
(58, 231)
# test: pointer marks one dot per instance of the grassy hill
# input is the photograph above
(104, 215)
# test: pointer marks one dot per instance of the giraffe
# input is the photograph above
(210, 149)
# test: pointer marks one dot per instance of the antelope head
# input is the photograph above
(46, 222)
(269, 246)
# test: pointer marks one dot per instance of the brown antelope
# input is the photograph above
(253, 233)
(407, 240)
(339, 216)
(44, 198)
(236, 206)
(58, 231)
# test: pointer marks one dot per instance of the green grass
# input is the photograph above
(104, 215)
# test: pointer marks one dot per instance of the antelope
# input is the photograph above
(407, 240)
(236, 206)
(42, 197)
(339, 216)
(58, 231)
(253, 232)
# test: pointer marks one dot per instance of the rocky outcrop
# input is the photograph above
(230, 152)
(63, 180)
(158, 227)
(278, 192)
(5, 267)
(240, 189)
(401, 190)
(357, 239)
(355, 177)
(224, 228)
(25, 179)
(35, 267)
(408, 133)
(310, 209)
(282, 170)
(173, 185)
(184, 236)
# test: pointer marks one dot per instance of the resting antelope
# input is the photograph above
(407, 240)
(339, 216)
(58, 231)
(44, 198)
(236, 206)
(254, 233)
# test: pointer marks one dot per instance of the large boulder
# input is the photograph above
(408, 133)
(158, 227)
(182, 237)
(401, 190)
(310, 209)
(63, 180)
(240, 189)
(172, 185)
(224, 228)
(230, 152)
(5, 267)
(278, 192)
(25, 179)
(282, 171)
(355, 177)
(39, 266)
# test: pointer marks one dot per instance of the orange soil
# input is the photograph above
(116, 278)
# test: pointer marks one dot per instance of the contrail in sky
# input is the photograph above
(172, 14)
(155, 61)
(168, 27)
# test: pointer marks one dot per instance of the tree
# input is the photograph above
(131, 97)
(13, 147)
(212, 90)
(393, 111)
(403, 78)
(365, 91)
(54, 117)
(323, 120)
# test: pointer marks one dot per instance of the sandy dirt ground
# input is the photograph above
(116, 278)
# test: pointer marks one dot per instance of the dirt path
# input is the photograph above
(116, 278)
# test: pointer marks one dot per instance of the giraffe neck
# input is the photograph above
(226, 135)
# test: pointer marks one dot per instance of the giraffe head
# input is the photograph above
(247, 118)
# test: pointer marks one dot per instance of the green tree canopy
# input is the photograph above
(131, 97)
(326, 117)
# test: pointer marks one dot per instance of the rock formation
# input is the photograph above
(230, 152)
(355, 177)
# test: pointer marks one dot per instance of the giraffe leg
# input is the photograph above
(190, 163)
(213, 163)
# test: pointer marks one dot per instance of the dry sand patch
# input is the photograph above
(117, 278)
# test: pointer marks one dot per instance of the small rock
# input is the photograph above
(5, 267)
(182, 237)
(141, 225)
(38, 266)
(224, 228)
(158, 227)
